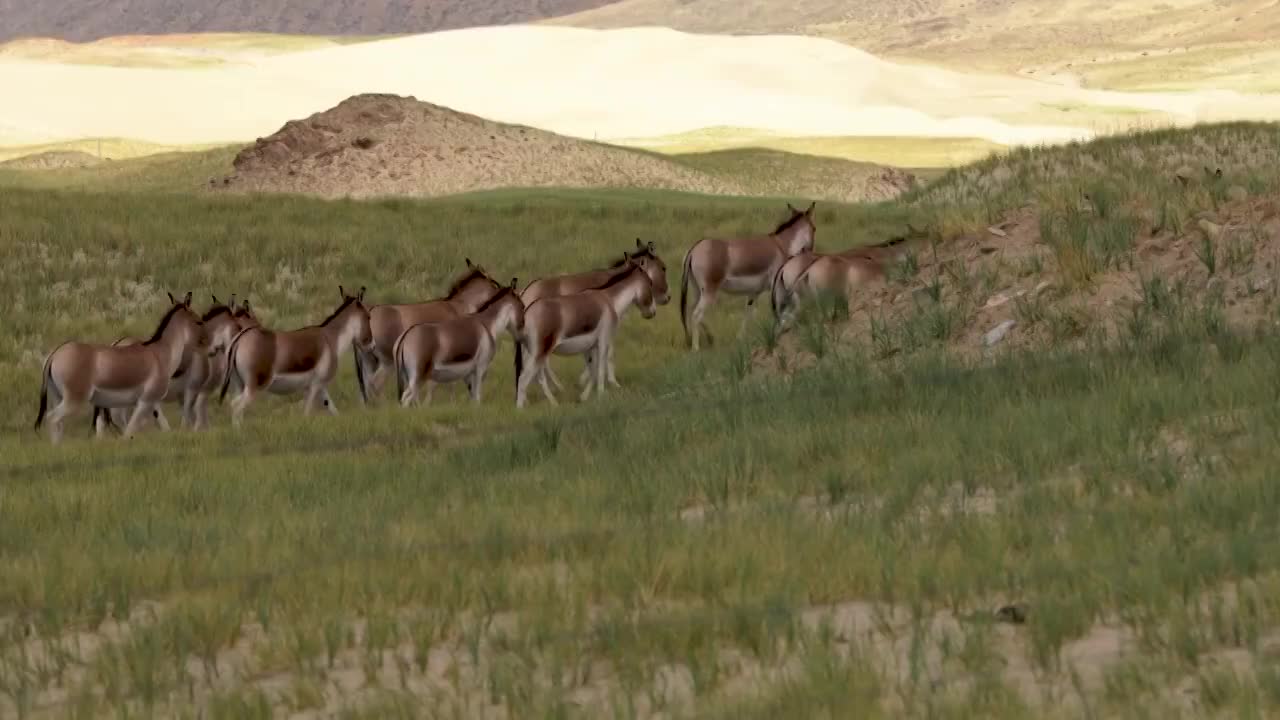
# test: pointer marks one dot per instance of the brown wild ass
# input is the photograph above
(580, 324)
(646, 255)
(388, 322)
(461, 348)
(739, 266)
(303, 360)
(80, 375)
(856, 266)
(192, 385)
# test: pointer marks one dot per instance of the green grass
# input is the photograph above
(710, 541)
(165, 172)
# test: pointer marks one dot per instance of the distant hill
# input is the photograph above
(1122, 42)
(384, 145)
(84, 20)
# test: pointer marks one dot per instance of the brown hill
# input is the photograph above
(83, 20)
(381, 145)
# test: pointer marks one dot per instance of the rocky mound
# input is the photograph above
(52, 160)
(373, 145)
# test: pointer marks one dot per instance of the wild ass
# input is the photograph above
(388, 322)
(463, 347)
(647, 257)
(304, 360)
(740, 266)
(856, 266)
(580, 324)
(78, 374)
(192, 385)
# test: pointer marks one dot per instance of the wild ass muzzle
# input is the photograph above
(739, 266)
(388, 323)
(304, 360)
(461, 348)
(192, 384)
(583, 323)
(646, 255)
(80, 375)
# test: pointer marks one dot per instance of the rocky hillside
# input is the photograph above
(380, 145)
(83, 20)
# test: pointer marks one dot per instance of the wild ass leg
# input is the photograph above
(161, 421)
(58, 415)
(706, 296)
(312, 399)
(101, 422)
(141, 413)
(555, 381)
(598, 372)
(542, 382)
(240, 404)
(201, 411)
(189, 408)
(328, 401)
(528, 374)
(473, 384)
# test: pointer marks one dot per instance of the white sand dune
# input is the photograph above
(637, 82)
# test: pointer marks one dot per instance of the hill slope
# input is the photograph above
(1069, 38)
(379, 145)
(93, 19)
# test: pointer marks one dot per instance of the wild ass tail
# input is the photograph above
(778, 293)
(364, 390)
(45, 377)
(397, 355)
(519, 343)
(684, 295)
(231, 364)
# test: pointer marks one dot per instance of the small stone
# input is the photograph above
(997, 232)
(997, 333)
(1213, 230)
(1015, 614)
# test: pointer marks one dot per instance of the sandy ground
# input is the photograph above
(587, 83)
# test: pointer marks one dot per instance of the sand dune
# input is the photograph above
(587, 83)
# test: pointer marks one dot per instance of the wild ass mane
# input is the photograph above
(164, 324)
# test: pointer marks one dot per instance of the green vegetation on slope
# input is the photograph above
(677, 544)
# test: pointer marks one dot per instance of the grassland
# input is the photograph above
(907, 152)
(717, 539)
(756, 171)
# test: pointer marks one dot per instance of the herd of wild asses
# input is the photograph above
(189, 357)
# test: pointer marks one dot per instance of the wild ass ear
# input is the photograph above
(812, 205)
(360, 297)
(652, 247)
(342, 292)
(639, 245)
(214, 298)
(187, 300)
(469, 262)
(172, 300)
(231, 304)
(791, 209)
(513, 283)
